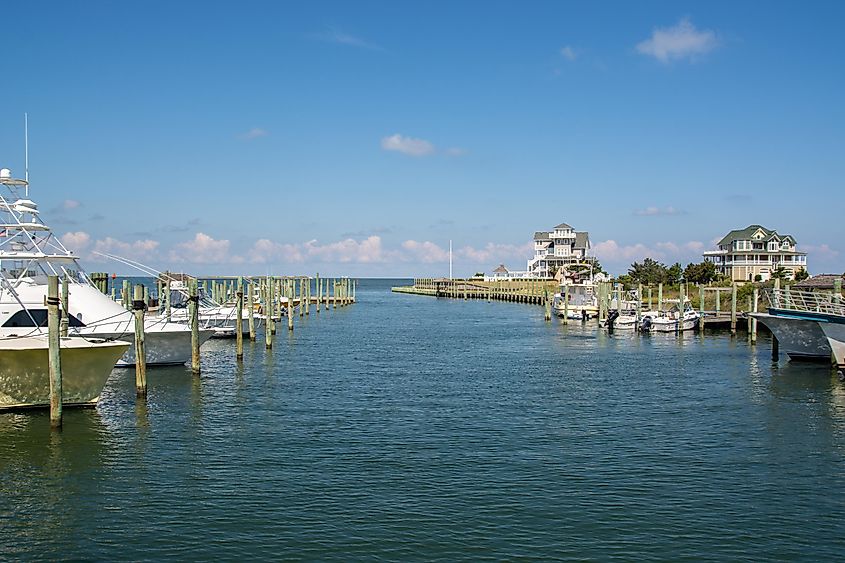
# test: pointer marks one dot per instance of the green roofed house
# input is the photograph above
(744, 254)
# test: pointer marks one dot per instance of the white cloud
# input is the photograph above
(69, 204)
(333, 35)
(77, 242)
(204, 249)
(492, 252)
(678, 42)
(426, 252)
(407, 145)
(367, 251)
(821, 251)
(652, 211)
(616, 258)
(569, 53)
(254, 133)
(136, 250)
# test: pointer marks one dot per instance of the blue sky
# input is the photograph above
(359, 138)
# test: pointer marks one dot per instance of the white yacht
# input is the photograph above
(218, 317)
(29, 252)
(673, 319)
(25, 369)
(580, 288)
(805, 323)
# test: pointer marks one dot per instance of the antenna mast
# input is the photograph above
(26, 151)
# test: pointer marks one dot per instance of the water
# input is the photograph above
(407, 428)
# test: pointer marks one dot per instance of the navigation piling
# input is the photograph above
(54, 358)
(138, 307)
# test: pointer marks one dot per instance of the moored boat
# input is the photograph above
(29, 253)
(24, 370)
(797, 318)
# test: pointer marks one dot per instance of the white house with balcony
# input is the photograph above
(558, 249)
(744, 254)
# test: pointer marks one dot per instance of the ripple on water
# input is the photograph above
(413, 428)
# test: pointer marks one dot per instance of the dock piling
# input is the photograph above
(239, 321)
(55, 358)
(194, 311)
(64, 320)
(138, 309)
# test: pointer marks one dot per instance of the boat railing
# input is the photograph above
(806, 301)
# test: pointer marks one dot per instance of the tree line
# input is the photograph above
(652, 272)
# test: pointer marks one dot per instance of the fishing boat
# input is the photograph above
(29, 252)
(24, 370)
(218, 317)
(798, 320)
(577, 297)
(674, 319)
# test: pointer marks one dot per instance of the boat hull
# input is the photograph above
(669, 325)
(25, 380)
(801, 339)
(835, 334)
(164, 348)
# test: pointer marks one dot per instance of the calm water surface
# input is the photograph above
(412, 428)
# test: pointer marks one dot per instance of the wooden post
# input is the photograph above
(327, 294)
(307, 295)
(837, 290)
(565, 296)
(251, 304)
(239, 321)
(733, 308)
(167, 309)
(753, 320)
(318, 288)
(660, 296)
(639, 311)
(126, 297)
(334, 294)
(649, 298)
(194, 312)
(55, 358)
(548, 314)
(269, 323)
(290, 310)
(271, 305)
(64, 322)
(138, 307)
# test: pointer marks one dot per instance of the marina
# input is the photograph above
(436, 282)
(427, 424)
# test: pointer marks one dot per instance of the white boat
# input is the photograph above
(24, 370)
(577, 297)
(218, 317)
(805, 323)
(671, 320)
(29, 252)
